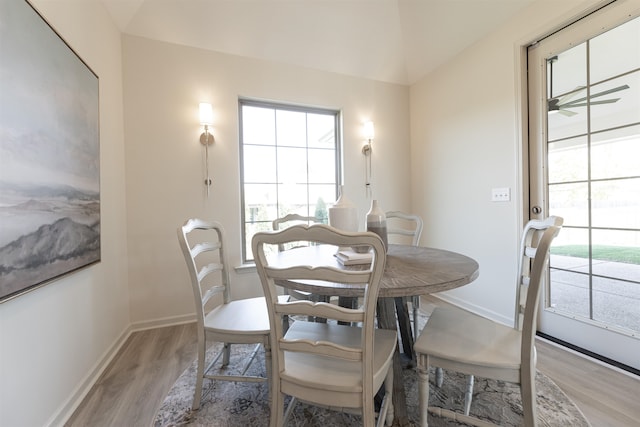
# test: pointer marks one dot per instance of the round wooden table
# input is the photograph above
(409, 270)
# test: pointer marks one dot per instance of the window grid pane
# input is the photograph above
(290, 157)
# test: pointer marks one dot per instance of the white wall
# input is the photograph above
(53, 339)
(163, 84)
(466, 138)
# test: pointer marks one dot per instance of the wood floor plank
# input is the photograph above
(135, 384)
(606, 396)
(133, 387)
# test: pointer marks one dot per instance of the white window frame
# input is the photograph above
(265, 224)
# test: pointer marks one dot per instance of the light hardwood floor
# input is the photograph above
(134, 385)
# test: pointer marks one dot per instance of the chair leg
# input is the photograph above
(369, 414)
(439, 377)
(468, 395)
(197, 394)
(415, 305)
(226, 354)
(423, 388)
(386, 413)
(388, 387)
(528, 391)
(277, 403)
(267, 361)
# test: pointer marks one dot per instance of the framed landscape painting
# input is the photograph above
(49, 154)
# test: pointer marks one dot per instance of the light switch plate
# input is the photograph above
(501, 194)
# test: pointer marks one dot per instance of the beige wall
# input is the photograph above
(466, 138)
(163, 84)
(54, 338)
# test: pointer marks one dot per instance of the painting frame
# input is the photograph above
(50, 223)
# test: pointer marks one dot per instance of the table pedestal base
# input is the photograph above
(387, 319)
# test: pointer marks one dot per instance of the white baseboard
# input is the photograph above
(444, 299)
(165, 321)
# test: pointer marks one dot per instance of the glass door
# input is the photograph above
(584, 92)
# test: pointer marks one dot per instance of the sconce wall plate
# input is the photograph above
(206, 138)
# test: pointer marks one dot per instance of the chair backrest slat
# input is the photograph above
(202, 245)
(319, 273)
(321, 310)
(211, 292)
(325, 348)
(209, 269)
(200, 248)
(404, 224)
(290, 220)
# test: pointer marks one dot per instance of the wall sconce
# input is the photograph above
(206, 138)
(369, 133)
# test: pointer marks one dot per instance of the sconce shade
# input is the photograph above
(206, 114)
(369, 132)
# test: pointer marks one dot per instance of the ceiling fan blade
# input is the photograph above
(595, 95)
(604, 101)
(567, 97)
(606, 92)
(567, 113)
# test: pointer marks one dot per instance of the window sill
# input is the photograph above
(245, 268)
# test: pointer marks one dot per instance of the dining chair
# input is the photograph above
(405, 228)
(331, 365)
(462, 341)
(219, 318)
(408, 228)
(288, 221)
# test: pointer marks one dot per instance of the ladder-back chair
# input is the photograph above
(219, 318)
(331, 365)
(461, 341)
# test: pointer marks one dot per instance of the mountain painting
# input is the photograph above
(49, 155)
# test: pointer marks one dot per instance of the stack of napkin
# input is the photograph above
(351, 257)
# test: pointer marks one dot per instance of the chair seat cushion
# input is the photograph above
(466, 338)
(329, 373)
(245, 316)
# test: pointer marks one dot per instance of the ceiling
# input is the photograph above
(397, 41)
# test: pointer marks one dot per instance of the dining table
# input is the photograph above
(409, 270)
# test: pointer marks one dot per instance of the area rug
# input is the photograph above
(227, 404)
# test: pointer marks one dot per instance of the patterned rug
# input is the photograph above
(227, 404)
